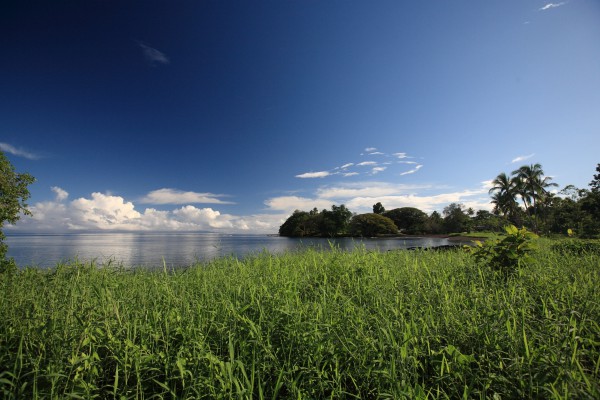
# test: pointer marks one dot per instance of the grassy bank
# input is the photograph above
(309, 325)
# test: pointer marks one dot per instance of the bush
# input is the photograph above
(506, 255)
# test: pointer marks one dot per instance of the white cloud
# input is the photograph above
(552, 5)
(400, 155)
(363, 189)
(153, 55)
(351, 174)
(367, 163)
(377, 170)
(291, 203)
(360, 197)
(174, 196)
(407, 162)
(203, 218)
(320, 174)
(107, 212)
(369, 149)
(522, 158)
(345, 166)
(104, 212)
(376, 153)
(412, 171)
(61, 194)
(7, 148)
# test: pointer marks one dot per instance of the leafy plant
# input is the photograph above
(507, 254)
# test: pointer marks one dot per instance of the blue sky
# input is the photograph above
(227, 116)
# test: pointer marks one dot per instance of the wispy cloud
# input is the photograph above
(174, 196)
(552, 5)
(319, 174)
(18, 152)
(412, 171)
(153, 55)
(387, 162)
(522, 158)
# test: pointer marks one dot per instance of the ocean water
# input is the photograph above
(175, 249)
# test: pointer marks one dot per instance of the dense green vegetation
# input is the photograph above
(308, 325)
(522, 199)
(13, 197)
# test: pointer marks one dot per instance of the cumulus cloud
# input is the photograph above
(552, 5)
(377, 170)
(61, 194)
(370, 149)
(103, 211)
(400, 155)
(7, 148)
(320, 174)
(522, 158)
(174, 196)
(153, 56)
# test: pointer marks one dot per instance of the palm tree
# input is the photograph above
(532, 185)
(505, 192)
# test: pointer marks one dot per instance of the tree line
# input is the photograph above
(522, 198)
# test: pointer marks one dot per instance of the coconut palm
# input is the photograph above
(504, 197)
(532, 185)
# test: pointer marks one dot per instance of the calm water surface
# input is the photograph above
(177, 249)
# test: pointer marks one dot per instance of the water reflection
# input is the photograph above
(177, 249)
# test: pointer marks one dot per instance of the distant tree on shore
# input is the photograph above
(408, 219)
(378, 208)
(327, 223)
(368, 225)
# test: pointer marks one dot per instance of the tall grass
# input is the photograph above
(304, 325)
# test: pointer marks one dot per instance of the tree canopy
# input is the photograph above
(13, 197)
(367, 225)
(408, 219)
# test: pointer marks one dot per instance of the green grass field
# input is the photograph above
(331, 324)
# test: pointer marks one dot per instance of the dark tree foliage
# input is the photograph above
(455, 218)
(327, 223)
(378, 208)
(295, 224)
(435, 223)
(13, 197)
(408, 219)
(334, 222)
(367, 225)
(595, 183)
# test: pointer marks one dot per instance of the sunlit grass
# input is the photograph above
(304, 325)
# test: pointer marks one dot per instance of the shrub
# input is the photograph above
(507, 254)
